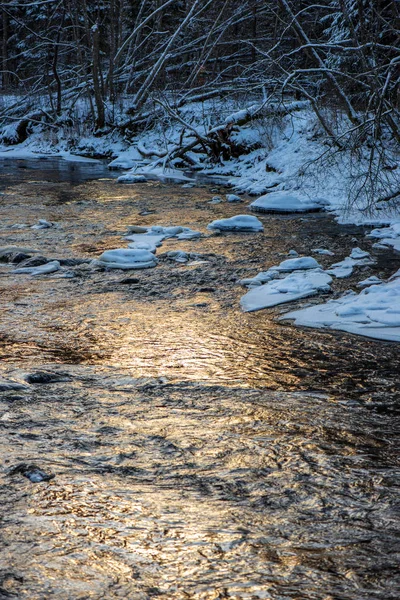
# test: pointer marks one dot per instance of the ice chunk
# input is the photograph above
(238, 223)
(388, 236)
(369, 281)
(145, 241)
(284, 202)
(233, 198)
(137, 229)
(123, 258)
(345, 267)
(178, 256)
(50, 267)
(260, 278)
(357, 253)
(298, 264)
(156, 234)
(292, 287)
(188, 234)
(132, 178)
(374, 312)
(322, 252)
(43, 224)
(155, 172)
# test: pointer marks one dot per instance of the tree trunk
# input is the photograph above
(4, 53)
(98, 96)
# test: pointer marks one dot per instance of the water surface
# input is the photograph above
(198, 452)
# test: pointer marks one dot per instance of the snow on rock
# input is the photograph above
(293, 253)
(238, 223)
(7, 385)
(15, 254)
(155, 235)
(144, 245)
(373, 280)
(292, 287)
(344, 268)
(322, 252)
(43, 224)
(188, 234)
(127, 159)
(297, 264)
(178, 256)
(154, 173)
(395, 275)
(285, 202)
(145, 241)
(123, 258)
(50, 267)
(357, 253)
(260, 278)
(136, 229)
(19, 226)
(233, 198)
(132, 178)
(215, 200)
(374, 312)
(388, 236)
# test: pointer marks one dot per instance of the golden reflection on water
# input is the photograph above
(184, 491)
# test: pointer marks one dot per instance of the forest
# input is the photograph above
(121, 66)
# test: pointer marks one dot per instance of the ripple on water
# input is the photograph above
(178, 472)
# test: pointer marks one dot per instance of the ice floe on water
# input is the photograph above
(344, 268)
(123, 258)
(238, 223)
(284, 202)
(300, 284)
(374, 312)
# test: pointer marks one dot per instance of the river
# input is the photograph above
(197, 451)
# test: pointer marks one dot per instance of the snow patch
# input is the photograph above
(50, 267)
(292, 287)
(374, 312)
(283, 202)
(238, 223)
(344, 268)
(121, 258)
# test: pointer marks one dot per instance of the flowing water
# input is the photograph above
(197, 452)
